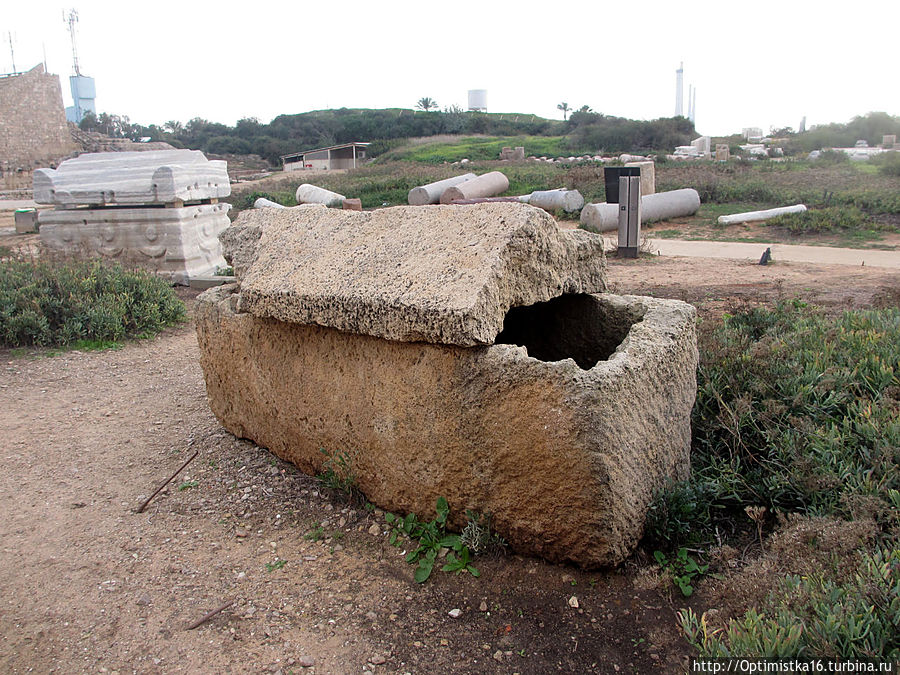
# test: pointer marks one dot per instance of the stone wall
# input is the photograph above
(34, 131)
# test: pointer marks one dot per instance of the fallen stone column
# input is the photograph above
(671, 204)
(752, 216)
(312, 194)
(550, 200)
(604, 217)
(431, 193)
(485, 185)
(263, 203)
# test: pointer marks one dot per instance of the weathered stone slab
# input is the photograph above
(561, 431)
(132, 178)
(178, 243)
(440, 274)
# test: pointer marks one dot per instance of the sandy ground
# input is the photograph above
(91, 586)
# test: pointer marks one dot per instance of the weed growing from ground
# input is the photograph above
(683, 568)
(315, 533)
(429, 538)
(337, 472)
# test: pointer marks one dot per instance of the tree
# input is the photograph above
(564, 107)
(585, 109)
(426, 103)
(173, 127)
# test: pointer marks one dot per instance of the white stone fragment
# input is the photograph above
(263, 203)
(313, 194)
(132, 178)
(752, 216)
(178, 243)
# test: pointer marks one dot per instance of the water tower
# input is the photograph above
(83, 90)
(478, 100)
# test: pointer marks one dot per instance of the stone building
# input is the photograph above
(33, 128)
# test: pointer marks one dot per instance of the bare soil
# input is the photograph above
(88, 585)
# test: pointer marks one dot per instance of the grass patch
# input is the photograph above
(480, 148)
(848, 221)
(85, 305)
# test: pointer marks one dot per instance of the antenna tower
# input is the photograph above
(72, 19)
(12, 52)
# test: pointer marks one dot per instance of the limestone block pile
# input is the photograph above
(157, 209)
(470, 353)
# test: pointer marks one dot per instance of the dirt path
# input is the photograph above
(90, 586)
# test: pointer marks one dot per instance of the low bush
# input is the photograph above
(795, 412)
(43, 304)
(815, 616)
(816, 221)
(888, 163)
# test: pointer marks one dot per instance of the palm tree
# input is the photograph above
(426, 103)
(564, 107)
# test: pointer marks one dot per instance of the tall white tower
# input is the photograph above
(679, 90)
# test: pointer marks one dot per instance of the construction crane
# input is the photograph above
(72, 19)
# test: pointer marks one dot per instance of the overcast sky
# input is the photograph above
(754, 64)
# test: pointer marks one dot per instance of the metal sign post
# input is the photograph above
(629, 216)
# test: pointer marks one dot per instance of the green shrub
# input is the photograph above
(829, 219)
(795, 411)
(42, 304)
(888, 163)
(815, 617)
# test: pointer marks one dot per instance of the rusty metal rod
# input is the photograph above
(143, 506)
(206, 617)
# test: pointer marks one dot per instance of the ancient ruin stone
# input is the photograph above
(440, 274)
(125, 221)
(561, 430)
(133, 179)
(561, 426)
(177, 243)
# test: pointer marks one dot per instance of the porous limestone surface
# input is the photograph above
(132, 178)
(440, 274)
(178, 243)
(562, 433)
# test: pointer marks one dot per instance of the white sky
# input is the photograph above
(754, 64)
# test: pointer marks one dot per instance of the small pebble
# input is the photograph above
(455, 613)
(306, 661)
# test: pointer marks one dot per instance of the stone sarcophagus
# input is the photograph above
(465, 352)
(156, 209)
